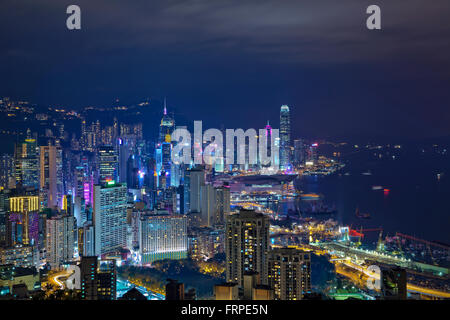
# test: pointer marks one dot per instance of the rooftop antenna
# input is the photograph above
(165, 108)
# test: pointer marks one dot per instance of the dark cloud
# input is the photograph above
(240, 56)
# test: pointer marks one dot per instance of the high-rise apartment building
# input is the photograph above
(289, 273)
(110, 217)
(299, 152)
(246, 245)
(60, 240)
(167, 125)
(51, 183)
(222, 205)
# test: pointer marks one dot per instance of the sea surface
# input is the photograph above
(417, 203)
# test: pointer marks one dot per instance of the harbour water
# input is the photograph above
(416, 202)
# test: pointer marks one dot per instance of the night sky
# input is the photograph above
(236, 62)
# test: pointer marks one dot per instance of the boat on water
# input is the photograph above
(362, 215)
(310, 196)
(377, 188)
(367, 173)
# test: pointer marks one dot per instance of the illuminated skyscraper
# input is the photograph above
(60, 240)
(50, 175)
(79, 178)
(23, 221)
(312, 156)
(26, 163)
(108, 164)
(194, 180)
(246, 246)
(285, 136)
(167, 125)
(7, 171)
(299, 152)
(109, 217)
(162, 237)
(289, 273)
(222, 205)
(208, 205)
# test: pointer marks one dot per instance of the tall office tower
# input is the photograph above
(164, 160)
(79, 178)
(96, 128)
(50, 169)
(285, 137)
(83, 140)
(208, 205)
(312, 153)
(137, 130)
(299, 152)
(98, 278)
(187, 190)
(115, 128)
(196, 181)
(4, 228)
(86, 240)
(246, 245)
(162, 236)
(174, 290)
(5, 225)
(176, 174)
(268, 141)
(125, 147)
(110, 217)
(167, 125)
(179, 201)
(24, 216)
(60, 240)
(26, 163)
(393, 283)
(7, 171)
(107, 163)
(289, 273)
(222, 205)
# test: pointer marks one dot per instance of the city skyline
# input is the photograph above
(318, 58)
(250, 151)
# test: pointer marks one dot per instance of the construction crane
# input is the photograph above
(430, 243)
(380, 243)
(431, 255)
(427, 243)
(399, 245)
(361, 232)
